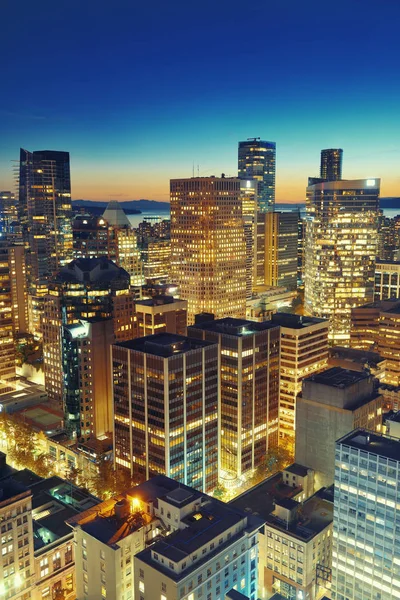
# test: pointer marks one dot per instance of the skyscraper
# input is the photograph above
(249, 391)
(166, 408)
(208, 245)
(366, 556)
(340, 250)
(331, 164)
(256, 160)
(281, 235)
(44, 211)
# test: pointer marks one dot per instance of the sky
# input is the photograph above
(139, 92)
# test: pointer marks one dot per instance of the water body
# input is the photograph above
(154, 216)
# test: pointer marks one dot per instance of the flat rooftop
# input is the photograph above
(164, 344)
(313, 516)
(338, 377)
(355, 355)
(234, 327)
(368, 441)
(160, 300)
(297, 469)
(260, 499)
(295, 321)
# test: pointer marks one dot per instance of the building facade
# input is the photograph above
(366, 514)
(257, 160)
(249, 392)
(340, 250)
(387, 280)
(161, 314)
(281, 251)
(331, 164)
(165, 390)
(208, 245)
(304, 351)
(333, 403)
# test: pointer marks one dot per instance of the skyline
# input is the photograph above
(140, 94)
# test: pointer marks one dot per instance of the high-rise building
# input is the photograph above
(301, 235)
(257, 160)
(254, 259)
(166, 408)
(161, 314)
(388, 238)
(8, 212)
(92, 237)
(304, 351)
(156, 258)
(44, 211)
(331, 164)
(84, 289)
(366, 556)
(208, 245)
(166, 517)
(249, 391)
(387, 280)
(86, 366)
(281, 235)
(333, 403)
(340, 250)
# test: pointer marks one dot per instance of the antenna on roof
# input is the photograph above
(193, 170)
(198, 171)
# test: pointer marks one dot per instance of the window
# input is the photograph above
(44, 567)
(46, 592)
(141, 586)
(103, 592)
(141, 573)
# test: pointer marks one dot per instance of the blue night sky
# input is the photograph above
(137, 92)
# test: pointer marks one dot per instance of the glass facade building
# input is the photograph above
(166, 408)
(366, 552)
(257, 160)
(340, 250)
(281, 249)
(331, 164)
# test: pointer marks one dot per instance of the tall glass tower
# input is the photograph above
(340, 249)
(256, 160)
(331, 164)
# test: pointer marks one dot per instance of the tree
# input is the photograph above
(220, 491)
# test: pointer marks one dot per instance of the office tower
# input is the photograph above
(295, 544)
(388, 239)
(256, 160)
(304, 351)
(281, 234)
(254, 259)
(208, 245)
(86, 366)
(8, 212)
(84, 289)
(44, 211)
(7, 326)
(249, 391)
(38, 557)
(340, 249)
(331, 164)
(156, 259)
(161, 314)
(332, 404)
(92, 237)
(301, 235)
(127, 254)
(367, 500)
(387, 280)
(18, 284)
(166, 408)
(162, 510)
(376, 327)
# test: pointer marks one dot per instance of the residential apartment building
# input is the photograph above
(161, 314)
(208, 245)
(304, 351)
(114, 558)
(333, 403)
(366, 556)
(165, 390)
(249, 391)
(340, 250)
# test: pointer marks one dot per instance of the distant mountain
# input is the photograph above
(129, 206)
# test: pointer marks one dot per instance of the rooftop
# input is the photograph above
(159, 300)
(368, 441)
(295, 321)
(355, 355)
(92, 270)
(164, 344)
(338, 377)
(297, 469)
(234, 327)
